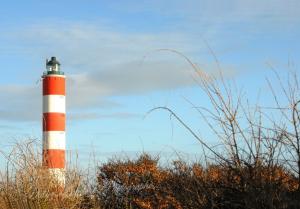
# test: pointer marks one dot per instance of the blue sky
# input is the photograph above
(108, 50)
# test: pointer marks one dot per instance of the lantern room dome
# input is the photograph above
(53, 67)
(52, 62)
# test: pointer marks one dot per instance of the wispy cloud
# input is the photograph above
(92, 90)
(100, 63)
(211, 11)
(95, 115)
(133, 78)
(93, 47)
(103, 67)
(8, 127)
(19, 103)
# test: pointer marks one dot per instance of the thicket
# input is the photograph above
(257, 164)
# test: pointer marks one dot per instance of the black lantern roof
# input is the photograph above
(52, 62)
(53, 67)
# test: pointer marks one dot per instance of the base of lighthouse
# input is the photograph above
(54, 161)
(59, 175)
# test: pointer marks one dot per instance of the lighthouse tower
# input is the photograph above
(54, 120)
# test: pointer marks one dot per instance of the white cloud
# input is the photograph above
(95, 115)
(99, 63)
(19, 103)
(133, 78)
(217, 11)
(93, 90)
(88, 47)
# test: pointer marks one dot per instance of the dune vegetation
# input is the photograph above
(257, 166)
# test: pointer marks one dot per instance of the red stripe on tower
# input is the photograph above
(54, 158)
(54, 120)
(54, 85)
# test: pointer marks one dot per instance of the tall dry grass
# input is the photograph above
(26, 184)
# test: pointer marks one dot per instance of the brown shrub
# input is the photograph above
(142, 183)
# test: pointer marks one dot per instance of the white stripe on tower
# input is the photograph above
(54, 103)
(54, 140)
(54, 111)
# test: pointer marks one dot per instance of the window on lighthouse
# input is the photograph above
(55, 67)
(49, 68)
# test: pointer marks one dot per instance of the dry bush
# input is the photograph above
(143, 184)
(258, 162)
(258, 165)
(26, 184)
(134, 184)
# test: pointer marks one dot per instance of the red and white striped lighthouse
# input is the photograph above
(54, 120)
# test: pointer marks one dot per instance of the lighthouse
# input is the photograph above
(54, 120)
